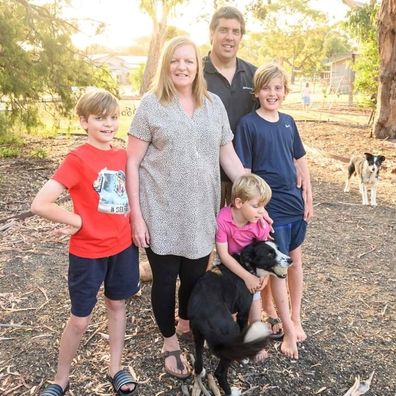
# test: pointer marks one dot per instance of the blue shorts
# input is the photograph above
(119, 273)
(290, 236)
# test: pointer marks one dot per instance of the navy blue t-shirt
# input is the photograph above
(269, 150)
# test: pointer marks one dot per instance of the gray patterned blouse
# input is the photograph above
(179, 176)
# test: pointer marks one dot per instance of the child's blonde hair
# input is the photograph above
(265, 73)
(251, 186)
(97, 102)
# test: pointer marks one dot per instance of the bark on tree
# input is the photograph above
(156, 43)
(385, 120)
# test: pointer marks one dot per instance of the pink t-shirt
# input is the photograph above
(239, 237)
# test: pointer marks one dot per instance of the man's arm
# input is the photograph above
(305, 180)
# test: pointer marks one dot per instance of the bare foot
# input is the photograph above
(183, 326)
(262, 355)
(300, 333)
(289, 347)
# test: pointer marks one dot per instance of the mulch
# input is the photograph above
(348, 303)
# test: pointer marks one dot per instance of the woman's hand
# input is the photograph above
(140, 234)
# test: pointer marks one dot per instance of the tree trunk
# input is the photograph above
(156, 43)
(385, 121)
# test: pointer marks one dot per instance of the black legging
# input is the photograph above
(165, 269)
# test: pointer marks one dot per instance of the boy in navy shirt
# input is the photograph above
(269, 145)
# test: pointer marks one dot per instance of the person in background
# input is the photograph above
(306, 97)
(269, 145)
(177, 140)
(101, 249)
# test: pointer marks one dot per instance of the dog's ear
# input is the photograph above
(381, 159)
(368, 155)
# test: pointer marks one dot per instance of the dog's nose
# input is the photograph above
(289, 261)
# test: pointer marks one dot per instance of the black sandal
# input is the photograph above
(121, 378)
(54, 390)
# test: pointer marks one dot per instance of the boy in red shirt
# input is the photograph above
(101, 249)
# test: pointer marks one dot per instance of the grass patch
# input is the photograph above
(10, 152)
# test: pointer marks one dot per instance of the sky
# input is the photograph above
(125, 22)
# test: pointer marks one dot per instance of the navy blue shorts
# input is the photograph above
(119, 273)
(290, 236)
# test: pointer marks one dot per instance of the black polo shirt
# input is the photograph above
(237, 97)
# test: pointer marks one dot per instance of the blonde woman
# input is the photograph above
(177, 140)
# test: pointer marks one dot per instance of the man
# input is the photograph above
(227, 76)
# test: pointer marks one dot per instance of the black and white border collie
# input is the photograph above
(366, 167)
(217, 295)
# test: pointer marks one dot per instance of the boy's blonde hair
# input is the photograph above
(97, 101)
(264, 74)
(251, 186)
(162, 84)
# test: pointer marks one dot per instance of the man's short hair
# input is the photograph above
(227, 12)
(251, 186)
(264, 74)
(97, 101)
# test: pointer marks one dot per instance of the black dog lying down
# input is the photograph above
(220, 293)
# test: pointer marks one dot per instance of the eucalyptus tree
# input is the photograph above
(39, 62)
(159, 12)
(293, 34)
(381, 27)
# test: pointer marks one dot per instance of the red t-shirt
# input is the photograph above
(96, 182)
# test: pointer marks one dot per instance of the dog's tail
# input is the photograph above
(247, 344)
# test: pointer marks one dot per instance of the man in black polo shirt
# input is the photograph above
(227, 76)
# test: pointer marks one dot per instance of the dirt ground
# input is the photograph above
(348, 303)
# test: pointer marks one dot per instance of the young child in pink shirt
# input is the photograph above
(238, 225)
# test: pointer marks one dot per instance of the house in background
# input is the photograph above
(120, 66)
(339, 75)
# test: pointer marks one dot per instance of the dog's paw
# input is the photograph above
(235, 391)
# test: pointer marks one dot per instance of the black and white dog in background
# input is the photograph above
(366, 167)
(217, 295)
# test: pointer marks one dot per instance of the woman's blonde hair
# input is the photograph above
(97, 101)
(264, 74)
(162, 84)
(250, 186)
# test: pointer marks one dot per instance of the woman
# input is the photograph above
(178, 136)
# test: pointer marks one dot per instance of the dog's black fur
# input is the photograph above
(217, 295)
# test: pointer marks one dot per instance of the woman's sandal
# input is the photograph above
(121, 378)
(273, 322)
(180, 365)
(54, 390)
